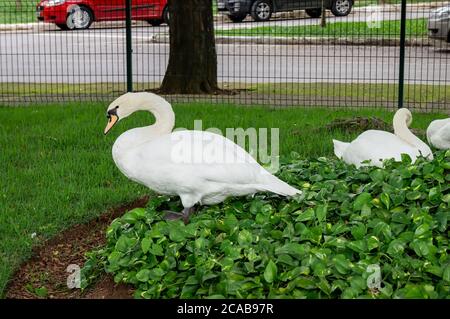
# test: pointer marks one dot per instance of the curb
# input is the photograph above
(413, 42)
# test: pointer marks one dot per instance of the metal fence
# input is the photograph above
(296, 58)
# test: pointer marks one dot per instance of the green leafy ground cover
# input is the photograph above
(324, 243)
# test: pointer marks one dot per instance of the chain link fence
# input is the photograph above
(280, 53)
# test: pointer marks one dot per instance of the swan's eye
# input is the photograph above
(113, 111)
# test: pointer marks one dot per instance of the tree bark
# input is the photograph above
(192, 65)
(18, 4)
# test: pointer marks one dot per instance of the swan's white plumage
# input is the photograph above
(200, 167)
(438, 134)
(376, 146)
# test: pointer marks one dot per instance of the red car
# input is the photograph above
(79, 14)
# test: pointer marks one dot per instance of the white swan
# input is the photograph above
(378, 146)
(199, 167)
(438, 134)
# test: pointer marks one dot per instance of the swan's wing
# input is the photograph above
(441, 138)
(198, 155)
(227, 163)
(436, 126)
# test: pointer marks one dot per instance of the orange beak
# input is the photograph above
(112, 121)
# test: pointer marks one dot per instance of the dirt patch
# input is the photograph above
(361, 124)
(45, 275)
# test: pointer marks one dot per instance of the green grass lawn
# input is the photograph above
(9, 13)
(57, 169)
(414, 93)
(388, 29)
(369, 92)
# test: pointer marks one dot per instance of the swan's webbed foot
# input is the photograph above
(185, 214)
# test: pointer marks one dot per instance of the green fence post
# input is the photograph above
(401, 71)
(129, 47)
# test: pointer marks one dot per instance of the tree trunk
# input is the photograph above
(192, 65)
(18, 4)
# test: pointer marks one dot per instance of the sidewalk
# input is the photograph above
(264, 40)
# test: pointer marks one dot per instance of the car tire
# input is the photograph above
(87, 17)
(261, 10)
(62, 26)
(341, 8)
(237, 17)
(165, 16)
(314, 13)
(155, 23)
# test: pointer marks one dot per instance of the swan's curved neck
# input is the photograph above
(164, 124)
(164, 119)
(402, 130)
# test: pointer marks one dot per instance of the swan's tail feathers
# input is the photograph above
(339, 148)
(277, 186)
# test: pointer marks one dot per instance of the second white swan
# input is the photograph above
(376, 146)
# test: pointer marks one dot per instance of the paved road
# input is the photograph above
(98, 55)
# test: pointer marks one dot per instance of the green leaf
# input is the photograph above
(446, 273)
(176, 233)
(359, 231)
(270, 273)
(143, 275)
(414, 195)
(406, 159)
(294, 249)
(321, 212)
(305, 282)
(372, 243)
(396, 248)
(245, 238)
(41, 292)
(361, 200)
(157, 250)
(342, 264)
(359, 246)
(396, 181)
(401, 218)
(422, 231)
(306, 215)
(384, 198)
(230, 223)
(377, 175)
(145, 245)
(125, 243)
(446, 198)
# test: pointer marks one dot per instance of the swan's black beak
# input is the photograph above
(112, 120)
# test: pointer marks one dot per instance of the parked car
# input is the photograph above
(79, 14)
(439, 24)
(261, 10)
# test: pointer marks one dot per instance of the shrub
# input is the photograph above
(328, 242)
